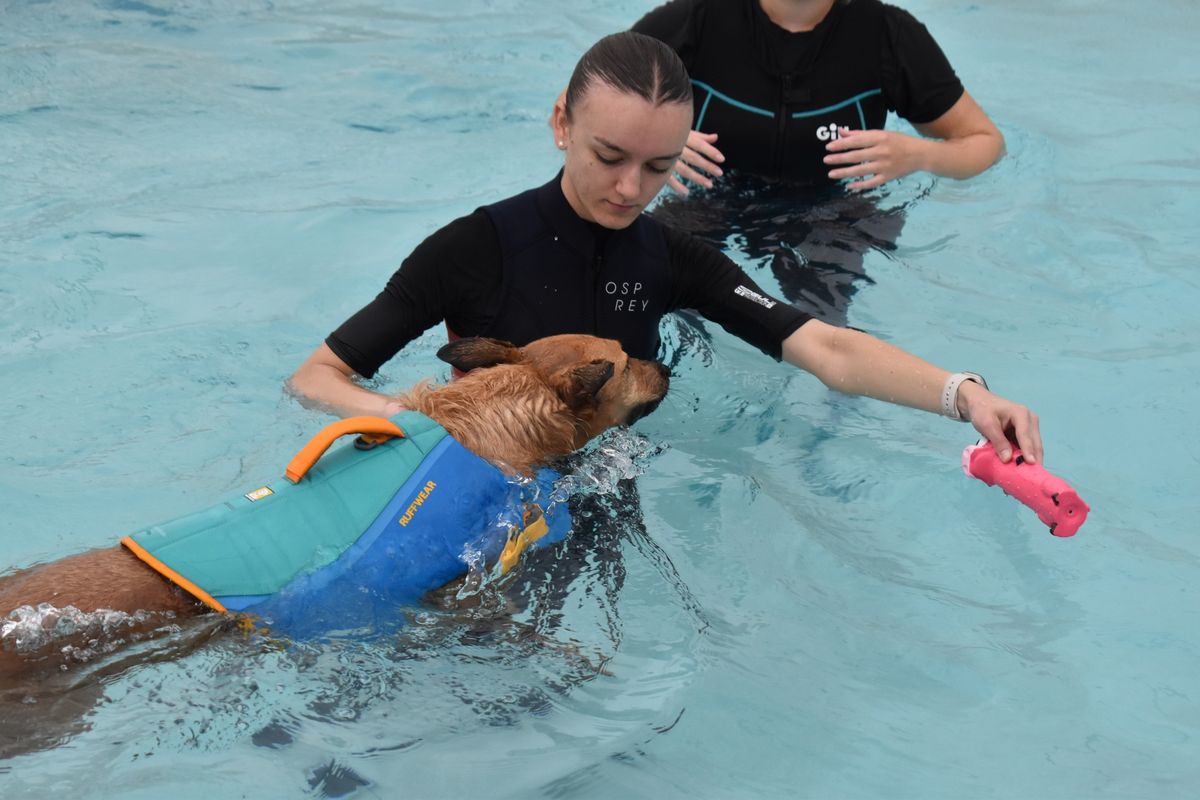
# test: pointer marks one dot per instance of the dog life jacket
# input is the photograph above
(353, 535)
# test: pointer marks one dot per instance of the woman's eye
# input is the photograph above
(612, 162)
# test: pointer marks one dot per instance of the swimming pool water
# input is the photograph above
(192, 194)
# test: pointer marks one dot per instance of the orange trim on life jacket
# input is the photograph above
(173, 576)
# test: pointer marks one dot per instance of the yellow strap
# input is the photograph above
(518, 541)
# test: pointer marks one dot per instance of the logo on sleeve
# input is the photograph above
(754, 296)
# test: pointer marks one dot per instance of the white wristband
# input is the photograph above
(950, 393)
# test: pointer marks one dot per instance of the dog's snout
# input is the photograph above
(663, 373)
(656, 389)
(644, 410)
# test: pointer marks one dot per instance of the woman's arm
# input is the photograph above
(457, 267)
(326, 383)
(853, 362)
(969, 141)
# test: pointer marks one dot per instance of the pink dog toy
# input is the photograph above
(1056, 503)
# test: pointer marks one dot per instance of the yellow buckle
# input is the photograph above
(535, 528)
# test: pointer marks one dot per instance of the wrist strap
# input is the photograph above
(950, 393)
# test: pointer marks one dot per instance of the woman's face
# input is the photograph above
(620, 150)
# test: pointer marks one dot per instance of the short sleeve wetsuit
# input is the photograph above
(528, 267)
(777, 98)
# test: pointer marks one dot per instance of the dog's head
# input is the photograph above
(594, 378)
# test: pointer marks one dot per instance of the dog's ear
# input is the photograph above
(478, 351)
(580, 385)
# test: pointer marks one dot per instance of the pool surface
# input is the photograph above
(819, 603)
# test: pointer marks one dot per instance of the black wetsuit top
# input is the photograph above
(777, 98)
(528, 267)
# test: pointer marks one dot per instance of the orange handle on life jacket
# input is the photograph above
(372, 429)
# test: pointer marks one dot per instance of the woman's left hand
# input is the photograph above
(1001, 421)
(882, 155)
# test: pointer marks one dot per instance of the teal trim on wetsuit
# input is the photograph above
(735, 103)
(856, 100)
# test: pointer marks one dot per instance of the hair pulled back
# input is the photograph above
(635, 63)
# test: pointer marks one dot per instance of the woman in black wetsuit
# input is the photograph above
(577, 255)
(792, 96)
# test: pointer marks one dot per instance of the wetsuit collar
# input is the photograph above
(579, 234)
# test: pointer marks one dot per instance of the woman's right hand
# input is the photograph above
(699, 161)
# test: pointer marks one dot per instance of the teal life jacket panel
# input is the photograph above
(362, 534)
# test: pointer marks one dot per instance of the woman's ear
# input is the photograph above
(559, 121)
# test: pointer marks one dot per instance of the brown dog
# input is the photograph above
(518, 407)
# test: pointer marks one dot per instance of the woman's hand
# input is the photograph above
(1001, 421)
(964, 142)
(700, 160)
(881, 155)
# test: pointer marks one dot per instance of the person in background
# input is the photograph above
(791, 96)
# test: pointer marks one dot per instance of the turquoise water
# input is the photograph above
(193, 194)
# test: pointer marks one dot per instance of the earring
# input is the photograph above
(562, 145)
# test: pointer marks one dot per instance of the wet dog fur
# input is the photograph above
(518, 407)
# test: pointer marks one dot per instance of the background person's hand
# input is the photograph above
(881, 155)
(699, 161)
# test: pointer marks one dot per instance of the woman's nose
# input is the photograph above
(629, 182)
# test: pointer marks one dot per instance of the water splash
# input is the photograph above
(617, 455)
(27, 629)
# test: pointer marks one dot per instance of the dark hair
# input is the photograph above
(635, 63)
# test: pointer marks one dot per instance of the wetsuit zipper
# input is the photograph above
(785, 86)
